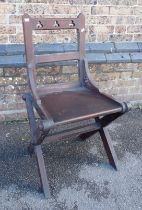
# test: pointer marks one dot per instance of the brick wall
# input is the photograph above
(106, 20)
(123, 81)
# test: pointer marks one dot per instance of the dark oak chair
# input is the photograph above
(76, 108)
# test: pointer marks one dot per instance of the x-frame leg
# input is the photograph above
(106, 139)
(35, 147)
(105, 136)
(107, 142)
(42, 171)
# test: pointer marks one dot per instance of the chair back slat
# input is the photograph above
(30, 24)
(55, 23)
(56, 57)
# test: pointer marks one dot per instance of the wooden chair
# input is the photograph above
(78, 107)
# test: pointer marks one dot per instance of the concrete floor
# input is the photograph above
(79, 174)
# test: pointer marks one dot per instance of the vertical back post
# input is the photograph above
(81, 44)
(29, 51)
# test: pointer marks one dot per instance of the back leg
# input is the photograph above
(107, 142)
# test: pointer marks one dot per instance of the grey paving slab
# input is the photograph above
(12, 61)
(49, 48)
(136, 57)
(140, 46)
(118, 58)
(12, 55)
(102, 47)
(70, 47)
(2, 49)
(96, 58)
(127, 47)
(15, 49)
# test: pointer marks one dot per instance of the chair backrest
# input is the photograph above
(30, 24)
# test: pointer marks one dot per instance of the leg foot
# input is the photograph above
(42, 171)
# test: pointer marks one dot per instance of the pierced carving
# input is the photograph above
(72, 24)
(56, 24)
(39, 25)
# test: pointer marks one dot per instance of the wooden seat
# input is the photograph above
(79, 104)
(60, 104)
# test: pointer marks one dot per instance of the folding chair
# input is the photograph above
(78, 107)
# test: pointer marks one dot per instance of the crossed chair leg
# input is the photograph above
(35, 145)
(105, 136)
(106, 139)
(42, 171)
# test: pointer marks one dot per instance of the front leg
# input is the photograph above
(35, 145)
